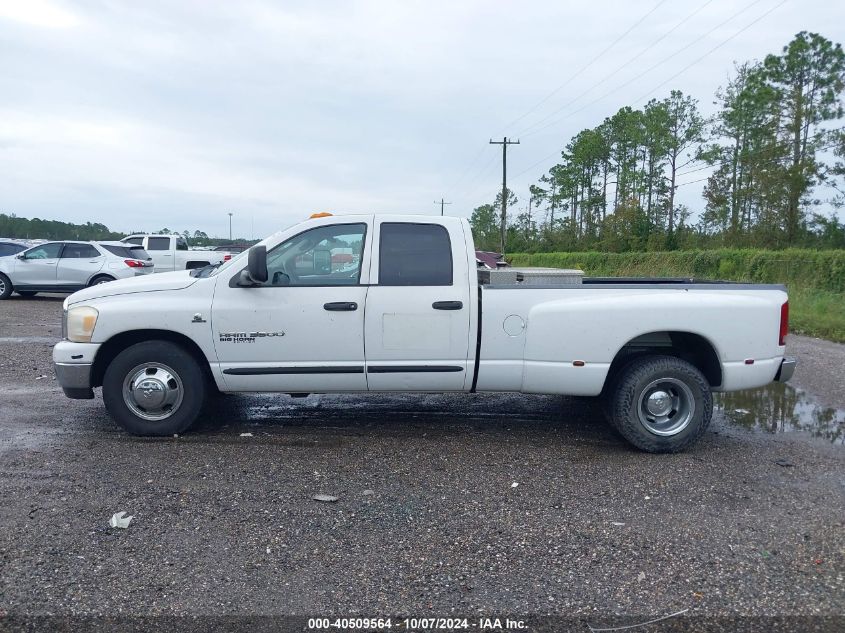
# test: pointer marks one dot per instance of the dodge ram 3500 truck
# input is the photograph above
(395, 303)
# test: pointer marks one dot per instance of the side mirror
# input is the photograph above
(257, 264)
(20, 256)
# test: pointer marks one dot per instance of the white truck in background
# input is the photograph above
(171, 252)
(395, 303)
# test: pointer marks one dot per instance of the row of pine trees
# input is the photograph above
(772, 158)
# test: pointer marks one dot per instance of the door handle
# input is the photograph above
(341, 306)
(447, 305)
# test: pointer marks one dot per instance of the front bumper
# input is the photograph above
(75, 380)
(73, 363)
(786, 369)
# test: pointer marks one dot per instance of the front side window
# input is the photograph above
(80, 251)
(45, 251)
(158, 244)
(325, 256)
(134, 240)
(414, 255)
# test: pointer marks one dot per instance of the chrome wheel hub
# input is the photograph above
(153, 391)
(659, 403)
(666, 406)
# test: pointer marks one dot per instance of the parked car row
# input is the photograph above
(171, 252)
(68, 266)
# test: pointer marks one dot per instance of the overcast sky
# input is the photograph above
(144, 115)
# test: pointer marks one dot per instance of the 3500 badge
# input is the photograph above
(246, 337)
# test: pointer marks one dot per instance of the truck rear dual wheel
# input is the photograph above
(154, 388)
(660, 404)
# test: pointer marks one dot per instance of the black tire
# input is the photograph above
(5, 287)
(100, 279)
(660, 404)
(27, 293)
(165, 368)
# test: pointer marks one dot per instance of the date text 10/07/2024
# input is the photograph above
(415, 624)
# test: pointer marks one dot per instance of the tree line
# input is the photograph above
(12, 226)
(775, 138)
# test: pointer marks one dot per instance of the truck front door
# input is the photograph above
(302, 330)
(417, 321)
(161, 250)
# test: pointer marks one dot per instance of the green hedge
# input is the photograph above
(803, 268)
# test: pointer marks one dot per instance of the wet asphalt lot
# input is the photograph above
(429, 520)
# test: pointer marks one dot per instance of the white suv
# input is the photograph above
(70, 266)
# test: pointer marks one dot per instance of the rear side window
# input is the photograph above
(133, 252)
(181, 244)
(158, 244)
(414, 255)
(10, 249)
(80, 251)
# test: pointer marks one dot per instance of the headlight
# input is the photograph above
(80, 324)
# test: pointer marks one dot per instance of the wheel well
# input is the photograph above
(116, 344)
(100, 276)
(693, 348)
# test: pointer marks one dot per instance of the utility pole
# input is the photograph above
(230, 226)
(441, 203)
(504, 219)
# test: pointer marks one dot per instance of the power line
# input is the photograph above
(474, 161)
(544, 159)
(466, 171)
(712, 50)
(586, 66)
(745, 155)
(473, 186)
(643, 73)
(618, 69)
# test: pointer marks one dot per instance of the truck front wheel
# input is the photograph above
(154, 388)
(660, 404)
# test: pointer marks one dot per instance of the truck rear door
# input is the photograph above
(417, 319)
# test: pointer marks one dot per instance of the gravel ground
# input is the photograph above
(820, 369)
(482, 504)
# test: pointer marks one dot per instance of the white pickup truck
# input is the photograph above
(395, 303)
(171, 252)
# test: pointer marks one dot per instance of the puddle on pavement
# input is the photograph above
(779, 408)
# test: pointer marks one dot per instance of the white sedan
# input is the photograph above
(70, 266)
